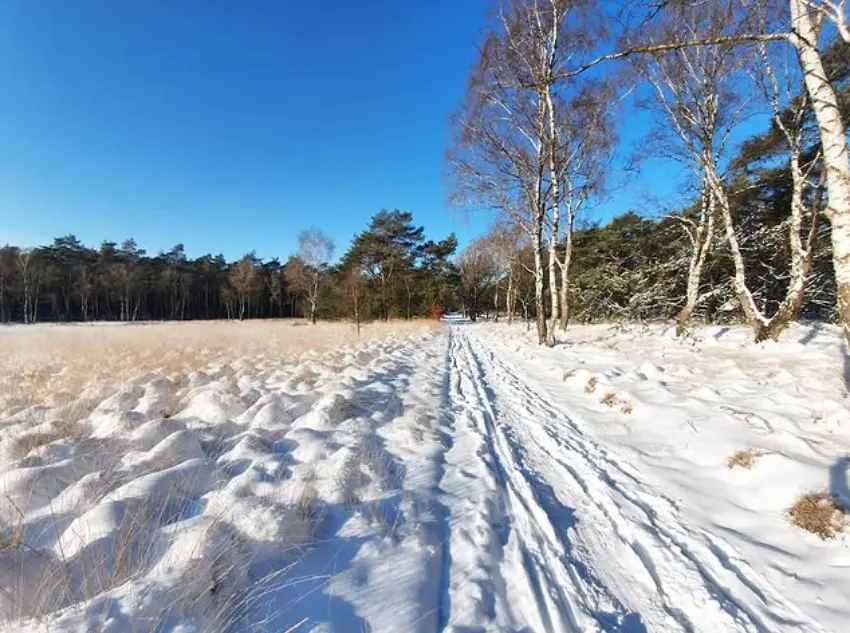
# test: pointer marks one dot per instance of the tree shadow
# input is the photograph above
(838, 482)
(809, 336)
(287, 594)
(721, 333)
(846, 374)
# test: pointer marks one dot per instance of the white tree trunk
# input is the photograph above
(745, 298)
(554, 294)
(835, 154)
(509, 299)
(564, 264)
(701, 243)
(540, 304)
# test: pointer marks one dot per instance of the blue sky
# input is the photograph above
(230, 126)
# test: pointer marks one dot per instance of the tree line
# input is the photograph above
(768, 233)
(631, 268)
(390, 271)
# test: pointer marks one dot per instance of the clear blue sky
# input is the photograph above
(230, 126)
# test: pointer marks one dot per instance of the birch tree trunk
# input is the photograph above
(537, 227)
(565, 270)
(509, 298)
(540, 303)
(701, 243)
(554, 172)
(835, 153)
(745, 298)
(801, 253)
(554, 294)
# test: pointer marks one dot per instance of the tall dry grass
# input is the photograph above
(59, 365)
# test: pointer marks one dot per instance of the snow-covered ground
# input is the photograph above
(422, 478)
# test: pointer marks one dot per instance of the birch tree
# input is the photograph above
(478, 273)
(695, 91)
(30, 274)
(693, 114)
(806, 18)
(305, 271)
(504, 241)
(563, 32)
(498, 160)
(586, 140)
(244, 279)
(789, 113)
(799, 22)
(354, 289)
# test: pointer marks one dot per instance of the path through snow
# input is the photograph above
(552, 532)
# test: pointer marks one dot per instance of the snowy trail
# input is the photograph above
(550, 531)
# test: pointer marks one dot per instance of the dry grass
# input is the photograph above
(306, 505)
(54, 364)
(52, 378)
(12, 536)
(611, 400)
(818, 513)
(590, 387)
(743, 459)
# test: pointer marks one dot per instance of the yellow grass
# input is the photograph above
(52, 365)
(743, 459)
(818, 513)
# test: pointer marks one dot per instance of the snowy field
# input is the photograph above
(272, 477)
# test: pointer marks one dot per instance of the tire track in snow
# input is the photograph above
(569, 595)
(507, 525)
(473, 589)
(697, 582)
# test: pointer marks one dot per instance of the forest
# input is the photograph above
(759, 236)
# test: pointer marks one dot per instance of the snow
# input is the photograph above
(456, 478)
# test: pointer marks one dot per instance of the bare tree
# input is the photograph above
(700, 233)
(501, 244)
(801, 26)
(127, 278)
(789, 112)
(244, 278)
(695, 86)
(478, 273)
(29, 269)
(304, 272)
(806, 17)
(354, 288)
(576, 132)
(498, 159)
(83, 288)
(696, 93)
(582, 149)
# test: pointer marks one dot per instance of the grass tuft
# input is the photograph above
(743, 459)
(611, 400)
(817, 512)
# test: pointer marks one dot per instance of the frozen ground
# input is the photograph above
(422, 479)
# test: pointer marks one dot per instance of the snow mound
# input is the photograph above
(189, 502)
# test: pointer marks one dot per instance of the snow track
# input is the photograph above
(550, 532)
